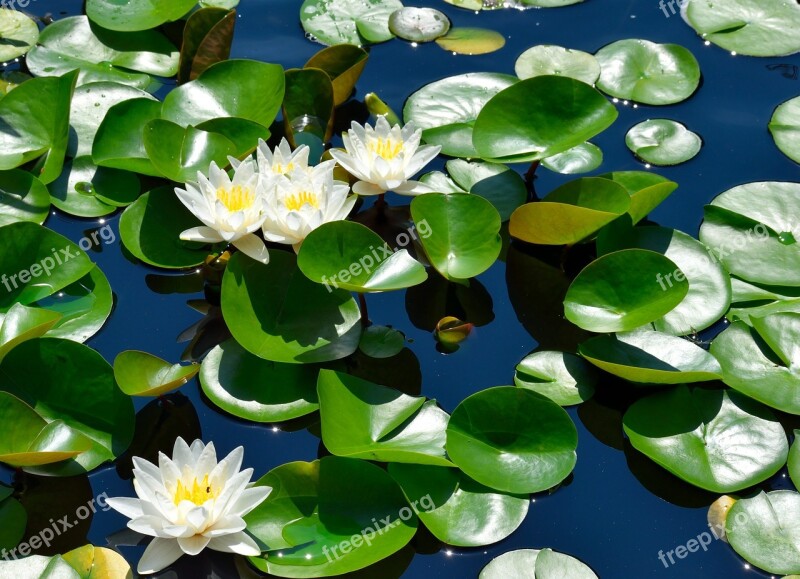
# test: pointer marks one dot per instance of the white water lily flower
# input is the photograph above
(282, 160)
(231, 209)
(301, 201)
(191, 502)
(385, 158)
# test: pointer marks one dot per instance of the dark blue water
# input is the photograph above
(617, 510)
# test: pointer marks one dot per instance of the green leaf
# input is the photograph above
(119, 142)
(563, 378)
(544, 564)
(207, 40)
(348, 255)
(96, 562)
(764, 530)
(314, 507)
(547, 59)
(381, 342)
(19, 33)
(308, 103)
(242, 133)
(540, 117)
(471, 41)
(620, 291)
(647, 190)
(348, 21)
(245, 89)
(255, 389)
(67, 381)
(142, 374)
(647, 72)
(134, 15)
(382, 424)
(85, 190)
(23, 198)
(344, 64)
(446, 110)
(717, 440)
(277, 313)
(13, 520)
(794, 460)
(492, 438)
(785, 128)
(464, 239)
(650, 357)
(663, 142)
(579, 159)
(498, 184)
(150, 229)
(418, 24)
(456, 509)
(21, 323)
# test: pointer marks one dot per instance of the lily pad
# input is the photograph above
(142, 374)
(563, 378)
(381, 342)
(546, 59)
(348, 21)
(663, 142)
(620, 291)
(83, 189)
(794, 460)
(446, 110)
(21, 323)
(344, 64)
(97, 562)
(40, 566)
(718, 440)
(496, 183)
(418, 24)
(252, 388)
(647, 72)
(456, 509)
(785, 128)
(650, 357)
(19, 33)
(119, 141)
(579, 159)
(134, 15)
(491, 438)
(207, 40)
(23, 198)
(382, 424)
(647, 190)
(268, 308)
(13, 517)
(471, 41)
(539, 564)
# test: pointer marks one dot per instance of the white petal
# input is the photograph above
(198, 518)
(206, 461)
(253, 247)
(248, 500)
(363, 188)
(422, 157)
(193, 545)
(181, 454)
(240, 543)
(129, 507)
(413, 188)
(148, 525)
(160, 553)
(227, 467)
(225, 526)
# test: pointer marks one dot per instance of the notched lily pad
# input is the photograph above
(142, 374)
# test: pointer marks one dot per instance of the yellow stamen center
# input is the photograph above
(295, 202)
(281, 169)
(198, 492)
(237, 197)
(387, 149)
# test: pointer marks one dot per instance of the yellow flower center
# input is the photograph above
(198, 493)
(296, 201)
(237, 197)
(281, 169)
(386, 148)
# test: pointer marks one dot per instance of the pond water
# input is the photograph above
(617, 510)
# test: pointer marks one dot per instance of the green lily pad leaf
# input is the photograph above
(268, 308)
(747, 26)
(709, 284)
(492, 438)
(663, 142)
(382, 424)
(381, 342)
(242, 133)
(649, 357)
(29, 440)
(759, 361)
(348, 255)
(19, 33)
(745, 314)
(750, 228)
(550, 3)
(496, 183)
(764, 530)
(785, 128)
(47, 101)
(96, 562)
(571, 213)
(314, 507)
(256, 389)
(85, 190)
(646, 72)
(620, 291)
(21, 323)
(547, 59)
(180, 153)
(647, 190)
(308, 104)
(245, 89)
(418, 24)
(563, 378)
(344, 64)
(348, 21)
(471, 41)
(13, 520)
(227, 4)
(102, 55)
(540, 117)
(794, 460)
(541, 564)
(579, 159)
(84, 306)
(23, 198)
(37, 263)
(717, 440)
(119, 142)
(207, 40)
(744, 291)
(142, 374)
(464, 239)
(67, 381)
(136, 15)
(38, 566)
(457, 510)
(150, 229)
(446, 110)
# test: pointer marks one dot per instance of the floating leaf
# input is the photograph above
(83, 189)
(498, 184)
(207, 40)
(663, 142)
(308, 104)
(471, 41)
(547, 59)
(579, 159)
(142, 374)
(563, 378)
(18, 31)
(135, 15)
(785, 128)
(119, 142)
(344, 64)
(23, 198)
(98, 563)
(544, 564)
(348, 21)
(21, 323)
(381, 342)
(13, 519)
(647, 190)
(451, 331)
(418, 24)
(794, 459)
